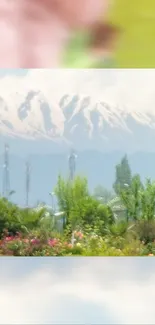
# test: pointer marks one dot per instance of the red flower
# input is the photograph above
(9, 238)
(35, 241)
(52, 242)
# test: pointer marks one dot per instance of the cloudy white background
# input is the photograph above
(132, 87)
(77, 290)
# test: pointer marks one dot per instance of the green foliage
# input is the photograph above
(123, 175)
(10, 218)
(79, 206)
(135, 22)
(145, 231)
(71, 197)
(139, 200)
(30, 219)
(148, 201)
(92, 227)
(15, 219)
(119, 228)
(131, 198)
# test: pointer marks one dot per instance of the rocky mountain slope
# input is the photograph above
(74, 120)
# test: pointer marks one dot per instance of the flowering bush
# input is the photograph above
(90, 227)
(36, 244)
(21, 246)
(78, 235)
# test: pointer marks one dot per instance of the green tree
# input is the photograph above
(9, 217)
(131, 198)
(119, 228)
(148, 201)
(139, 199)
(79, 206)
(123, 175)
(70, 196)
(31, 219)
(16, 220)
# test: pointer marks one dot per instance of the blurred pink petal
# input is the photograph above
(33, 33)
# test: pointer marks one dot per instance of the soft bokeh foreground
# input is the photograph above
(77, 34)
(136, 46)
(77, 291)
(133, 46)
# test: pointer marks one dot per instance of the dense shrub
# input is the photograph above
(90, 228)
(37, 244)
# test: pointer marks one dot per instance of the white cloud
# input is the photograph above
(118, 287)
(131, 87)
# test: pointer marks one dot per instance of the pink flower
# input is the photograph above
(65, 243)
(26, 240)
(9, 238)
(78, 234)
(70, 245)
(35, 241)
(52, 242)
(45, 27)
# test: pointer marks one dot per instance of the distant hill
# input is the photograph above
(97, 166)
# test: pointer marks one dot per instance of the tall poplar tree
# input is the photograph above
(123, 175)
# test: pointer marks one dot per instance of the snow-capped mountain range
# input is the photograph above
(76, 120)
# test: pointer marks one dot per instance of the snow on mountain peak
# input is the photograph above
(36, 114)
(78, 107)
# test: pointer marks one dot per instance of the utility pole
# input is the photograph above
(28, 167)
(72, 164)
(6, 173)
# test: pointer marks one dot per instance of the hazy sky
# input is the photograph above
(77, 291)
(129, 88)
(15, 72)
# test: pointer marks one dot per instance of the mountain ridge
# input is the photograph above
(75, 120)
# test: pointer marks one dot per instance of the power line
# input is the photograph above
(6, 173)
